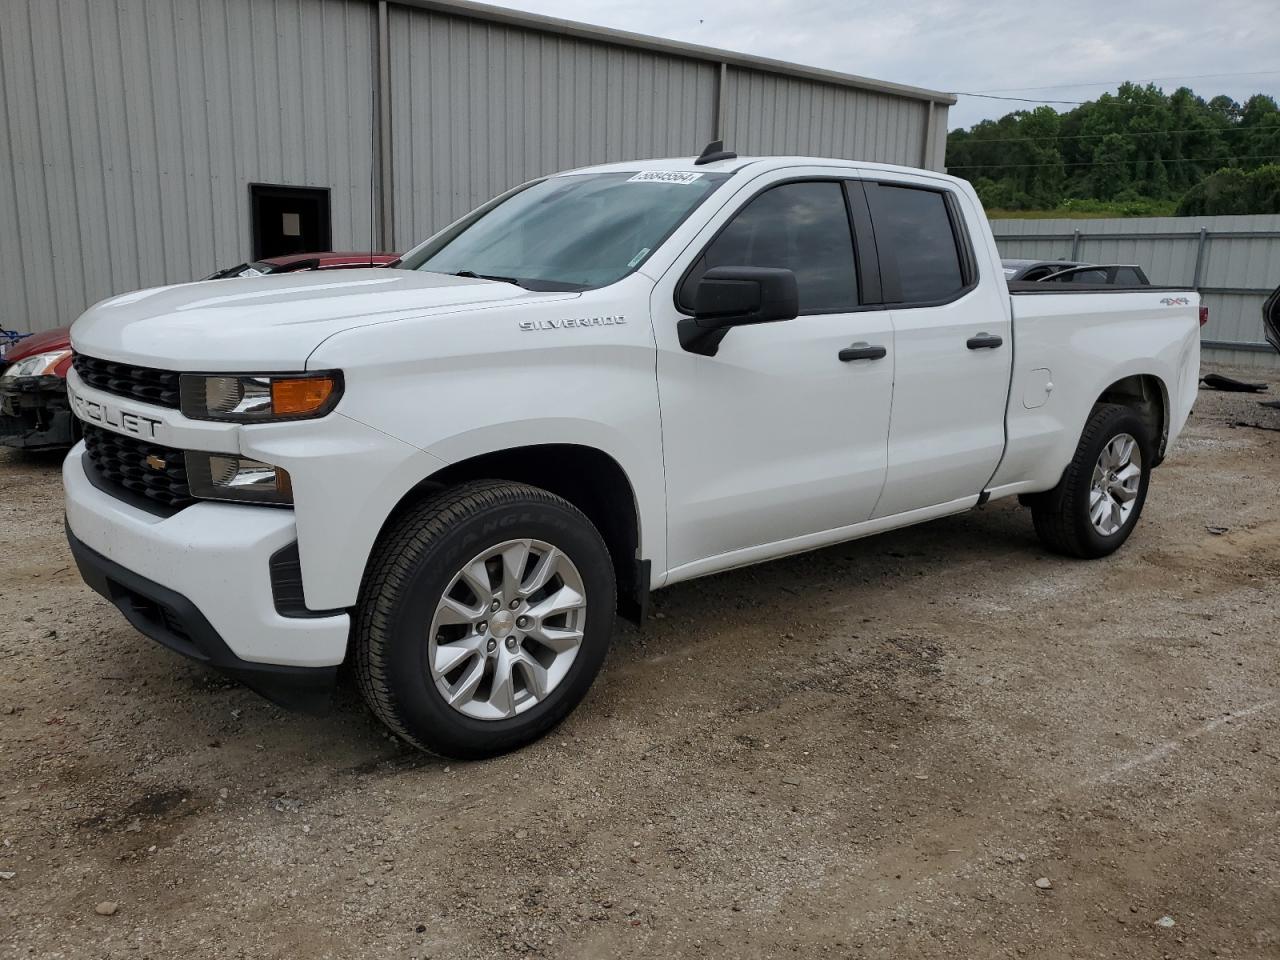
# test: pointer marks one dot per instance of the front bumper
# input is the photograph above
(207, 570)
(172, 620)
(35, 414)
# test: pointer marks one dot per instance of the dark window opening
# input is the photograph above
(289, 220)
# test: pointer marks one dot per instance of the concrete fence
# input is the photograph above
(1233, 261)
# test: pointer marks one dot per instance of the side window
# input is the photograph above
(803, 227)
(914, 232)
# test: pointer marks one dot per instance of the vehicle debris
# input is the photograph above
(1217, 381)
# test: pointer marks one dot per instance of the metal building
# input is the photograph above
(152, 141)
(1234, 261)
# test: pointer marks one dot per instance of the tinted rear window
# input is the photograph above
(914, 232)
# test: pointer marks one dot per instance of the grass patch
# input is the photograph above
(1091, 210)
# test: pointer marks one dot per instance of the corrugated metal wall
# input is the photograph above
(479, 107)
(769, 114)
(131, 129)
(1239, 263)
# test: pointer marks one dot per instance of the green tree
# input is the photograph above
(1136, 148)
(1260, 126)
(1112, 167)
(1234, 191)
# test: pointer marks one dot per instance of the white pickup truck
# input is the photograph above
(452, 473)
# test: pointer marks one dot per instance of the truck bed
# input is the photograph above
(1019, 287)
(1066, 346)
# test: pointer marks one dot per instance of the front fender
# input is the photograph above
(638, 453)
(459, 386)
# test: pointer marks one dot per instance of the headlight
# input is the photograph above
(219, 476)
(260, 398)
(36, 365)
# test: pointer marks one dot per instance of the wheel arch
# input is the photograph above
(1148, 396)
(587, 477)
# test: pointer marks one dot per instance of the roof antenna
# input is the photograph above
(715, 151)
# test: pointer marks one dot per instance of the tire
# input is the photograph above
(417, 612)
(1065, 516)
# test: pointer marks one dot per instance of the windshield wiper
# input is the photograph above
(488, 276)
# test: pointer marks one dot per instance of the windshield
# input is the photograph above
(569, 233)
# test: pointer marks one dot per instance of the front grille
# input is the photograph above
(123, 461)
(159, 387)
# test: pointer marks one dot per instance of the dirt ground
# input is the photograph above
(875, 750)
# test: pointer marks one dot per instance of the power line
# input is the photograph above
(1141, 133)
(1112, 101)
(1105, 163)
(1100, 83)
(992, 96)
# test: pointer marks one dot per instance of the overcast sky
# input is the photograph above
(961, 45)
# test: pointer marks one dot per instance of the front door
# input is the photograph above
(775, 437)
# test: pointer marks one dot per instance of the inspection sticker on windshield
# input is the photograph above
(664, 176)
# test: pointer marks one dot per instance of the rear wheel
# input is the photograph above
(484, 617)
(1097, 503)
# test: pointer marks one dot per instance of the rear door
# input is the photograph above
(953, 344)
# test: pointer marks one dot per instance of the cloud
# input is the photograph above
(965, 46)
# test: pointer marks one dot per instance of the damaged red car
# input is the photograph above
(34, 414)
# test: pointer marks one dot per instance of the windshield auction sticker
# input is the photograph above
(664, 176)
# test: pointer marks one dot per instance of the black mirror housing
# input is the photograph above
(728, 297)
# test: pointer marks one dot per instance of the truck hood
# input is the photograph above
(272, 322)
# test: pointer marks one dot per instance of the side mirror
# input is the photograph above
(727, 297)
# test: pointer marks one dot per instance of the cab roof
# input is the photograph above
(756, 164)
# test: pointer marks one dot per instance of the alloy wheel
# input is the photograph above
(1117, 477)
(507, 629)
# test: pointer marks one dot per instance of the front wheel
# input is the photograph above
(1096, 505)
(484, 617)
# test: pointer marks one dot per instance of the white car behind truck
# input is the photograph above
(601, 383)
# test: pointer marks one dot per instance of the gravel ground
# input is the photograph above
(936, 742)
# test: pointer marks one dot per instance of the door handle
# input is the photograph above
(862, 351)
(984, 341)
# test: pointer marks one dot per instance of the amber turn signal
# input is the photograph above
(293, 398)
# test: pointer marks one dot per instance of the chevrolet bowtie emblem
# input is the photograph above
(156, 463)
